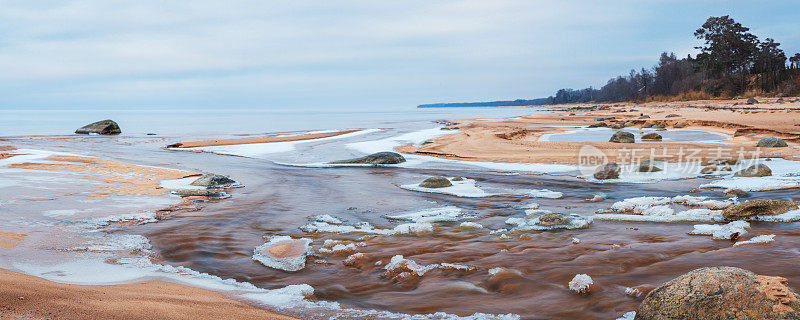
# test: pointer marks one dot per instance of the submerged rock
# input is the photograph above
(608, 171)
(737, 192)
(652, 136)
(198, 192)
(375, 158)
(772, 142)
(721, 293)
(622, 137)
(212, 180)
(436, 182)
(765, 207)
(100, 127)
(758, 170)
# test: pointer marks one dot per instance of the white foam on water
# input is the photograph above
(257, 150)
(765, 238)
(292, 263)
(721, 231)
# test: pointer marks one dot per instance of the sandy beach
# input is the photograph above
(518, 139)
(29, 297)
(268, 139)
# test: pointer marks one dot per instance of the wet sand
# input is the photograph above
(229, 142)
(518, 139)
(29, 297)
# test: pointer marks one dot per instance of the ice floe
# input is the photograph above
(416, 228)
(572, 221)
(581, 283)
(785, 175)
(471, 225)
(464, 188)
(722, 231)
(400, 267)
(766, 238)
(658, 209)
(258, 150)
(283, 252)
(443, 214)
(630, 315)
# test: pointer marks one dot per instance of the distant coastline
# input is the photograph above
(514, 103)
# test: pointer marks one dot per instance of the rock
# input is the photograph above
(622, 137)
(598, 125)
(628, 124)
(679, 125)
(672, 115)
(647, 125)
(604, 119)
(771, 142)
(198, 192)
(721, 293)
(758, 170)
(458, 179)
(435, 182)
(100, 127)
(608, 171)
(727, 168)
(375, 158)
(752, 101)
(737, 192)
(709, 169)
(616, 126)
(764, 207)
(659, 126)
(553, 219)
(212, 180)
(644, 117)
(652, 136)
(649, 166)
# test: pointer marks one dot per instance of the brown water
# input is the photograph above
(278, 199)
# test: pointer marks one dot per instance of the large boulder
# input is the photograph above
(762, 207)
(771, 142)
(375, 158)
(100, 127)
(622, 137)
(212, 180)
(436, 182)
(721, 293)
(652, 136)
(757, 170)
(608, 171)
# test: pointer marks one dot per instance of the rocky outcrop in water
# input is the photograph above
(721, 293)
(375, 158)
(764, 207)
(436, 182)
(622, 137)
(608, 171)
(772, 142)
(212, 180)
(758, 170)
(652, 136)
(100, 127)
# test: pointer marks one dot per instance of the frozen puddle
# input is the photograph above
(669, 135)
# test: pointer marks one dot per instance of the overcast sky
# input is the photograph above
(364, 54)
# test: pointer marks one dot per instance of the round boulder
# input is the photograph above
(721, 293)
(758, 170)
(436, 182)
(652, 136)
(100, 127)
(763, 207)
(608, 171)
(622, 137)
(212, 180)
(771, 142)
(375, 158)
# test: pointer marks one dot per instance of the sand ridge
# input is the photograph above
(268, 139)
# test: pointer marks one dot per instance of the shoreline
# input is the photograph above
(31, 297)
(517, 140)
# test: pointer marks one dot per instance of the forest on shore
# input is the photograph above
(732, 62)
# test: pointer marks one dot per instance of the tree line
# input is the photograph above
(732, 62)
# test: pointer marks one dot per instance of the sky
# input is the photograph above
(354, 54)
